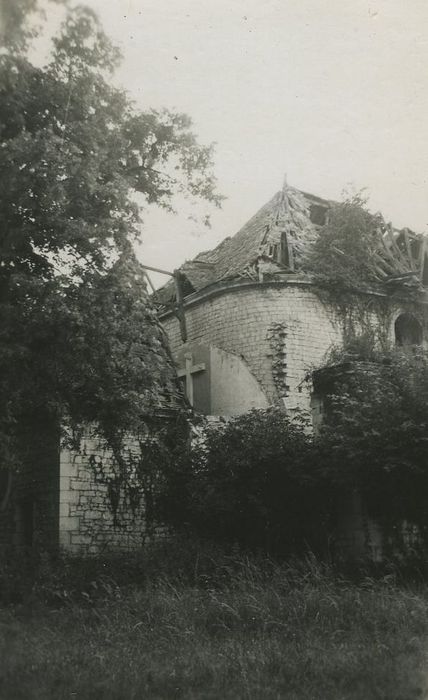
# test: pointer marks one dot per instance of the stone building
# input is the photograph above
(251, 328)
(257, 325)
(259, 329)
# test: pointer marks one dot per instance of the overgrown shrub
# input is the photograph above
(262, 481)
(251, 481)
(374, 439)
(343, 253)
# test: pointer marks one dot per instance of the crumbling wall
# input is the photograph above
(282, 331)
(242, 320)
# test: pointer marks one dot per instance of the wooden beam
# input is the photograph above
(389, 268)
(177, 275)
(156, 269)
(422, 259)
(393, 258)
(147, 276)
(397, 251)
(380, 271)
(409, 248)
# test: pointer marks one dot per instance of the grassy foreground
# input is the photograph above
(230, 629)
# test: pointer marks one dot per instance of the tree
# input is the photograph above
(79, 340)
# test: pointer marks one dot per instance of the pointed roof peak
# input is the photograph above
(284, 183)
(290, 210)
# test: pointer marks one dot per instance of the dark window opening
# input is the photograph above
(284, 252)
(318, 214)
(408, 331)
(186, 287)
(273, 251)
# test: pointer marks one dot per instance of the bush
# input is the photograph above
(250, 481)
(261, 481)
(374, 440)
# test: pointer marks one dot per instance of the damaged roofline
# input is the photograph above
(237, 285)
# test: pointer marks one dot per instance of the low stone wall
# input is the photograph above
(93, 515)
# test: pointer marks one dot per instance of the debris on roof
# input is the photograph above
(275, 239)
(402, 257)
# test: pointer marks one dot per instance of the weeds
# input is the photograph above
(222, 626)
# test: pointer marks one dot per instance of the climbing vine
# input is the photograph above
(133, 472)
(276, 335)
(345, 263)
(364, 320)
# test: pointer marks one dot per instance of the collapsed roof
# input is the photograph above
(274, 241)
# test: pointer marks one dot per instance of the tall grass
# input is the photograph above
(219, 627)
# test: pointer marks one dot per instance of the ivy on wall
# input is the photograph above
(132, 476)
(276, 335)
(344, 263)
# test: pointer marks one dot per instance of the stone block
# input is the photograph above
(80, 539)
(64, 538)
(78, 484)
(67, 470)
(65, 457)
(64, 510)
(90, 515)
(69, 496)
(64, 483)
(69, 523)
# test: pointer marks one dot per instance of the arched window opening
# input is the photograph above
(408, 331)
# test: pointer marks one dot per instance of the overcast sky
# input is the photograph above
(332, 92)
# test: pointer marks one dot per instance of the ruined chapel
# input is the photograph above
(248, 327)
(255, 328)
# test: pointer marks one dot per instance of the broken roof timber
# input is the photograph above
(278, 236)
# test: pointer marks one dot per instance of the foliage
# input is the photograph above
(264, 482)
(15, 29)
(374, 439)
(249, 481)
(235, 627)
(342, 254)
(79, 339)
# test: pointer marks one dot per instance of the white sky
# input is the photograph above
(331, 92)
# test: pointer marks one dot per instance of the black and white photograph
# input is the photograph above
(213, 350)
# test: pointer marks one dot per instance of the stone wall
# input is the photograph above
(241, 320)
(88, 523)
(284, 332)
(254, 320)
